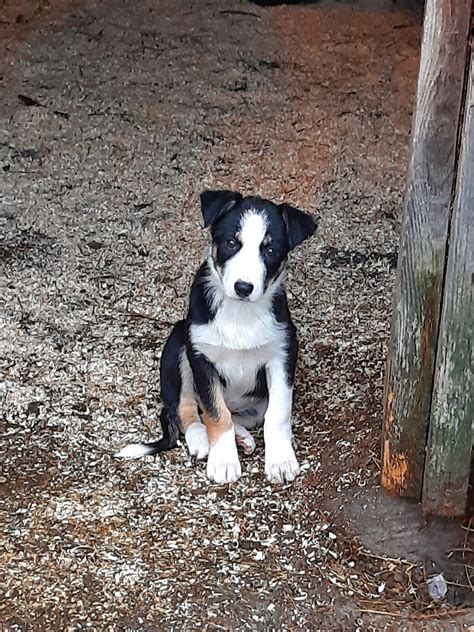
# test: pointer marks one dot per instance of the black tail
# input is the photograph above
(170, 395)
(170, 427)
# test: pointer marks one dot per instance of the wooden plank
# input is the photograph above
(448, 455)
(417, 294)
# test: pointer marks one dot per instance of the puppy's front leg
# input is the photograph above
(280, 460)
(223, 464)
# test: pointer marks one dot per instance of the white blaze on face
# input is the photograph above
(247, 265)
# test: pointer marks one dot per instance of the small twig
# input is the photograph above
(29, 102)
(237, 12)
(467, 528)
(133, 314)
(248, 63)
(461, 549)
(244, 101)
(94, 445)
(468, 578)
(436, 615)
(386, 559)
(382, 612)
(415, 617)
(124, 295)
(458, 585)
(296, 298)
(138, 315)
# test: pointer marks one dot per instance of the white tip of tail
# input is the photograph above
(133, 451)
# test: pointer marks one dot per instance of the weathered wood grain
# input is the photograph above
(448, 455)
(418, 288)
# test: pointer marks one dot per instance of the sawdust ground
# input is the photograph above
(133, 109)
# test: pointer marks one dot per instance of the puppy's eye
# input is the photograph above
(270, 251)
(231, 244)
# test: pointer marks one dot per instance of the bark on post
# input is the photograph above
(448, 456)
(418, 288)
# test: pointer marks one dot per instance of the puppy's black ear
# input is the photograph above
(215, 203)
(299, 225)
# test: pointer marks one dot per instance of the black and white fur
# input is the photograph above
(229, 366)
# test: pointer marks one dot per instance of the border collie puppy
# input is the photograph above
(229, 366)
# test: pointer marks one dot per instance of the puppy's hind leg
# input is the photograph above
(244, 439)
(246, 420)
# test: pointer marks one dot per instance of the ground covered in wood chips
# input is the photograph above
(115, 115)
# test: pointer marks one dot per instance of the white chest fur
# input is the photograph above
(239, 325)
(242, 338)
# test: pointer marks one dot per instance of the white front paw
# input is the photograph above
(196, 440)
(223, 472)
(281, 464)
(223, 464)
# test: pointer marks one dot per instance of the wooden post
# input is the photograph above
(448, 456)
(418, 288)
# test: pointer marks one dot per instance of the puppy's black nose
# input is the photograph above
(243, 289)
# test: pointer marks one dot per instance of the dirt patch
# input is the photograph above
(393, 528)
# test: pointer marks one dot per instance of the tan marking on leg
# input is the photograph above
(187, 409)
(216, 426)
(188, 413)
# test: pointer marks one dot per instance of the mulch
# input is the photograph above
(115, 116)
